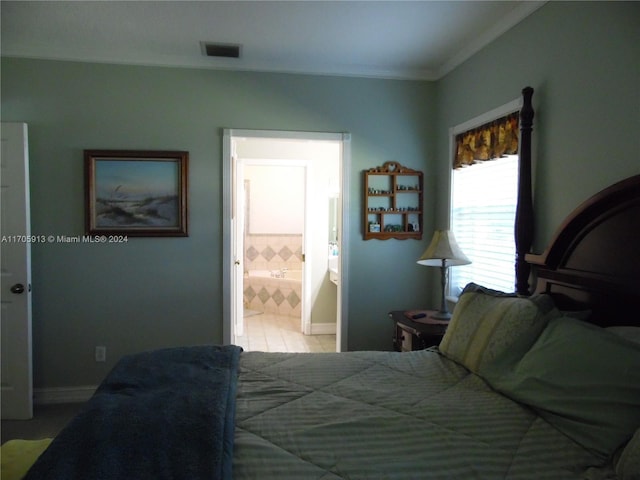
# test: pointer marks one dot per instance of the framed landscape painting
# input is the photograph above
(136, 193)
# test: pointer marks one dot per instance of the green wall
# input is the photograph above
(582, 58)
(156, 292)
(583, 61)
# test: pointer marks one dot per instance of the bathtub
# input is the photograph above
(279, 274)
(265, 292)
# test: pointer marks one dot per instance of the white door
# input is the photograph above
(15, 296)
(238, 246)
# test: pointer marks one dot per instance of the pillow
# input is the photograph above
(628, 464)
(485, 327)
(18, 456)
(546, 303)
(474, 287)
(582, 379)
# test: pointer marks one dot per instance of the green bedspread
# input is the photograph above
(373, 415)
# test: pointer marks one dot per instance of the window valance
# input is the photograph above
(491, 140)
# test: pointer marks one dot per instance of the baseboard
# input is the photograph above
(323, 329)
(50, 396)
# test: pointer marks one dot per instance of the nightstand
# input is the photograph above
(416, 334)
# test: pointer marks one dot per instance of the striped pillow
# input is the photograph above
(485, 329)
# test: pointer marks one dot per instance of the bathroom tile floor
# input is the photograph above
(268, 332)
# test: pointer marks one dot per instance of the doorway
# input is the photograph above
(273, 198)
(251, 224)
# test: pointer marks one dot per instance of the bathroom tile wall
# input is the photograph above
(273, 295)
(273, 252)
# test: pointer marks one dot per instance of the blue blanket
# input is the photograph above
(165, 414)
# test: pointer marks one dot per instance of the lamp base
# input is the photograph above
(441, 315)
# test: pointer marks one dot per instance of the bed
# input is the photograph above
(539, 383)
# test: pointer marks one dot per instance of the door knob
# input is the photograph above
(17, 288)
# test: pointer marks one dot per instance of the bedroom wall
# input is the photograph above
(157, 292)
(582, 59)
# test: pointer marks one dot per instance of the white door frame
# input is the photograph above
(17, 363)
(229, 267)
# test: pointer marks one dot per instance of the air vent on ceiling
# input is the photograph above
(220, 50)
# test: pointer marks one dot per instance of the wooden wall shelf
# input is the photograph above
(393, 202)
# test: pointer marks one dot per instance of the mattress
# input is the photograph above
(388, 415)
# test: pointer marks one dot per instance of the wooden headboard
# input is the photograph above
(593, 261)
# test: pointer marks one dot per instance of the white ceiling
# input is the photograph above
(388, 39)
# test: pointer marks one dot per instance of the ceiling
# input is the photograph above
(387, 39)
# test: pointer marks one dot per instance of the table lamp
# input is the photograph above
(443, 252)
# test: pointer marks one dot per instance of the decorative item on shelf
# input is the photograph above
(443, 252)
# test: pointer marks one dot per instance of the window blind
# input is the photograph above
(482, 219)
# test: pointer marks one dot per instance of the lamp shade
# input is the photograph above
(443, 246)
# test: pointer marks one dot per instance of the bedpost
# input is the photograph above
(524, 208)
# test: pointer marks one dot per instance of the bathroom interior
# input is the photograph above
(290, 245)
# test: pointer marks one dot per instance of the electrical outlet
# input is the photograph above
(101, 354)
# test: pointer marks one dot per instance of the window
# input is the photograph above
(484, 194)
(482, 219)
